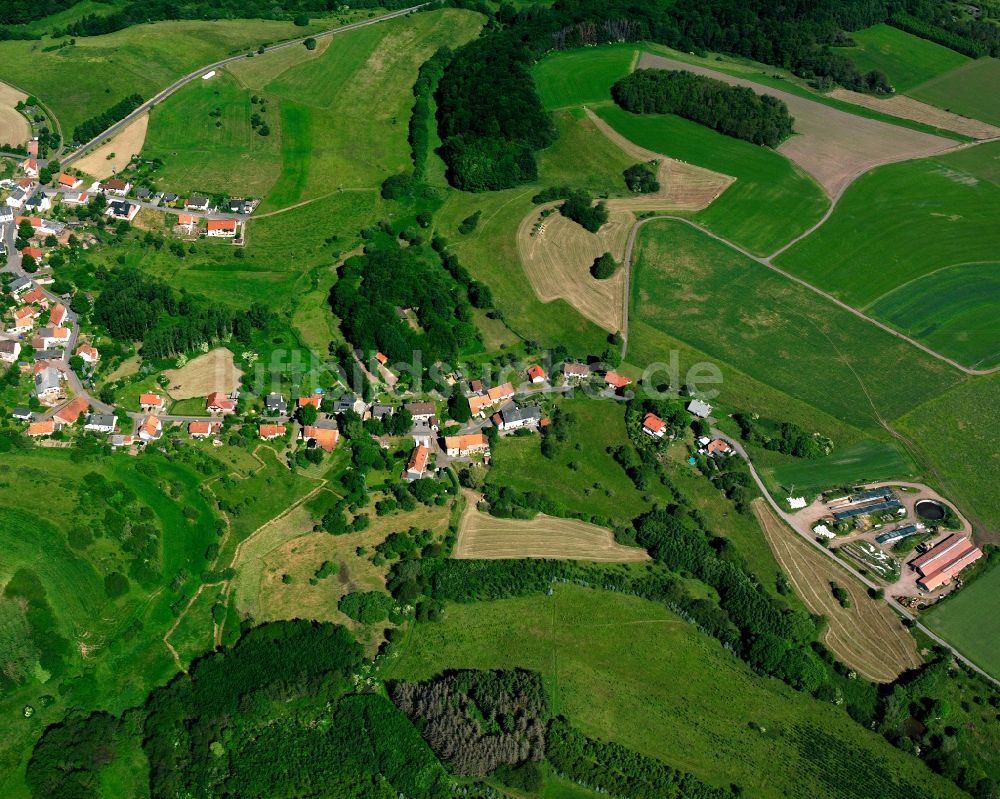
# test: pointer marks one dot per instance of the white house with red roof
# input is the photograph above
(653, 425)
(221, 228)
(218, 402)
(29, 166)
(536, 374)
(88, 353)
(69, 181)
(151, 402)
(150, 429)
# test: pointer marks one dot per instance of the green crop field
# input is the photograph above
(775, 330)
(203, 152)
(628, 670)
(904, 221)
(957, 434)
(953, 311)
(969, 621)
(907, 59)
(86, 78)
(771, 202)
(344, 115)
(862, 461)
(113, 653)
(582, 77)
(970, 90)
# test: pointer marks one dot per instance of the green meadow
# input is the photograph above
(112, 652)
(771, 202)
(628, 670)
(969, 621)
(742, 314)
(953, 311)
(970, 90)
(84, 79)
(907, 59)
(570, 78)
(859, 462)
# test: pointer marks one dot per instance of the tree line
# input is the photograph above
(96, 125)
(732, 110)
(421, 119)
(785, 437)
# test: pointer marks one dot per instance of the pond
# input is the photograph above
(930, 510)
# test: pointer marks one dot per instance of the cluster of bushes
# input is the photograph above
(581, 209)
(733, 110)
(367, 607)
(642, 178)
(784, 437)
(96, 125)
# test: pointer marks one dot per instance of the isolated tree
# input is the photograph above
(604, 267)
(24, 230)
(310, 43)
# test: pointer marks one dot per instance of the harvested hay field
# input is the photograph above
(482, 536)
(907, 108)
(557, 254)
(831, 145)
(213, 371)
(868, 636)
(683, 186)
(14, 128)
(115, 154)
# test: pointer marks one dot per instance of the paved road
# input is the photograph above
(242, 218)
(70, 157)
(787, 518)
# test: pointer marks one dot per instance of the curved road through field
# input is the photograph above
(183, 81)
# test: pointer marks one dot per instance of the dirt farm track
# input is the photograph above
(868, 636)
(487, 537)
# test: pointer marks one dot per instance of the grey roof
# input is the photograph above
(21, 413)
(20, 284)
(345, 403)
(275, 402)
(120, 207)
(380, 410)
(8, 346)
(142, 193)
(197, 199)
(47, 380)
(527, 413)
(118, 439)
(48, 355)
(699, 408)
(169, 197)
(102, 420)
(326, 424)
(35, 201)
(18, 194)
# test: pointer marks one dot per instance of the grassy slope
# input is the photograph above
(771, 201)
(580, 77)
(743, 314)
(903, 221)
(862, 461)
(969, 90)
(906, 59)
(84, 79)
(123, 665)
(625, 669)
(345, 114)
(970, 622)
(957, 433)
(221, 154)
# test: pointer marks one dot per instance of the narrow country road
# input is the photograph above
(72, 156)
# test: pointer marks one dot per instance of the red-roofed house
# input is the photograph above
(71, 411)
(270, 431)
(151, 402)
(479, 403)
(187, 221)
(718, 447)
(224, 228)
(88, 353)
(36, 295)
(313, 399)
(150, 429)
(219, 403)
(381, 358)
(80, 198)
(203, 429)
(69, 181)
(653, 425)
(617, 381)
(58, 314)
(325, 437)
(29, 166)
(46, 428)
(500, 393)
(416, 467)
(32, 252)
(536, 374)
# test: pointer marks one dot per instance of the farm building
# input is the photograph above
(898, 533)
(218, 402)
(37, 429)
(72, 410)
(945, 560)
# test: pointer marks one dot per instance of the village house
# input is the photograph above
(122, 210)
(71, 411)
(23, 414)
(75, 198)
(536, 374)
(381, 358)
(101, 423)
(6, 216)
(349, 402)
(29, 166)
(322, 435)
(718, 447)
(32, 252)
(150, 403)
(218, 402)
(478, 403)
(274, 403)
(51, 337)
(151, 429)
(38, 202)
(421, 411)
(380, 411)
(57, 315)
(197, 203)
(516, 418)
(36, 296)
(700, 409)
(48, 384)
(42, 227)
(267, 432)
(10, 351)
(460, 446)
(19, 285)
(203, 429)
(120, 440)
(653, 425)
(616, 381)
(17, 198)
(24, 321)
(45, 428)
(500, 393)
(188, 222)
(69, 181)
(423, 431)
(88, 354)
(416, 467)
(575, 371)
(115, 186)
(316, 400)
(221, 228)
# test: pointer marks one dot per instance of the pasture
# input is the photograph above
(569, 78)
(830, 144)
(202, 133)
(969, 621)
(482, 536)
(87, 77)
(943, 214)
(867, 636)
(771, 201)
(956, 434)
(906, 59)
(953, 310)
(628, 670)
(745, 316)
(14, 128)
(862, 461)
(969, 90)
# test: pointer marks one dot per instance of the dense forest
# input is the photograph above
(135, 307)
(733, 110)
